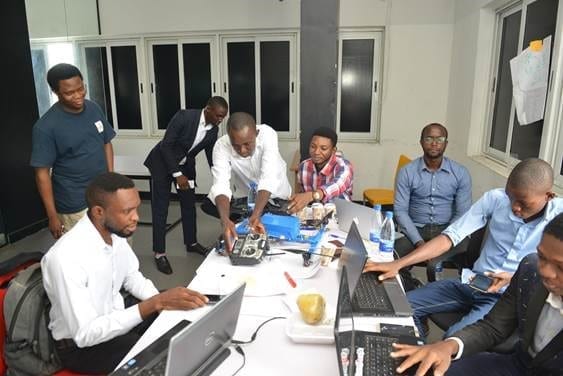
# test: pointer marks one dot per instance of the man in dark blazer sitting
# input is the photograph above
(173, 160)
(532, 305)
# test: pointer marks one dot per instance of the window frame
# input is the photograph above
(108, 43)
(550, 131)
(179, 41)
(257, 38)
(377, 35)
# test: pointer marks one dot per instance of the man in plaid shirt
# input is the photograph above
(325, 175)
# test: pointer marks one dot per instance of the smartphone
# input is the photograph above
(396, 330)
(213, 298)
(481, 282)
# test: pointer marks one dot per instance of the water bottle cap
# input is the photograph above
(377, 207)
(388, 214)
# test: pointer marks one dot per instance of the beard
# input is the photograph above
(123, 233)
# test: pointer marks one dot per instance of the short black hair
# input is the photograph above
(61, 72)
(104, 185)
(532, 173)
(555, 227)
(434, 125)
(239, 121)
(218, 101)
(327, 133)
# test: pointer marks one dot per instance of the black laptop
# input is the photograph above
(190, 348)
(370, 296)
(368, 350)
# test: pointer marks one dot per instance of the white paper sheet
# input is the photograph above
(530, 72)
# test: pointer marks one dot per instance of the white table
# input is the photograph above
(273, 352)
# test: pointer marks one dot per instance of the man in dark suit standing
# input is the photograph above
(532, 305)
(173, 160)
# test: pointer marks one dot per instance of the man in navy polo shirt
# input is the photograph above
(71, 146)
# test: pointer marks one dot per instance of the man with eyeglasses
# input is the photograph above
(431, 192)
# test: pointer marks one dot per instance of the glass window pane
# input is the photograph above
(356, 85)
(126, 83)
(197, 74)
(503, 94)
(167, 82)
(98, 83)
(541, 18)
(242, 81)
(274, 84)
(42, 89)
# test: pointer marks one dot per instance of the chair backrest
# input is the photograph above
(403, 160)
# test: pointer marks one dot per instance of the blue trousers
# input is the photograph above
(490, 364)
(450, 296)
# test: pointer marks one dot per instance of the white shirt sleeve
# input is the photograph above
(272, 166)
(221, 170)
(69, 284)
(460, 345)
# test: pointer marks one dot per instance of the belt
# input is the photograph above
(65, 343)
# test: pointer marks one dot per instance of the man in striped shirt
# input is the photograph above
(325, 175)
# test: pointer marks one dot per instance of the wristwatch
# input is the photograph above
(317, 196)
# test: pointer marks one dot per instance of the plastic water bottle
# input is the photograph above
(387, 237)
(251, 202)
(376, 224)
(439, 271)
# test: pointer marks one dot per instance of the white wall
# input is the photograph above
(61, 18)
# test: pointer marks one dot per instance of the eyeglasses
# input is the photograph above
(438, 140)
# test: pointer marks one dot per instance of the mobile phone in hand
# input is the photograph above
(481, 282)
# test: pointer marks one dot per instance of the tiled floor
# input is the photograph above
(184, 264)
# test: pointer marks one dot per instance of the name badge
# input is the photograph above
(100, 126)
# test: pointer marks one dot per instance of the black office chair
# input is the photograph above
(466, 260)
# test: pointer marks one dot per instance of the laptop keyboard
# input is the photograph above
(370, 294)
(376, 356)
(157, 369)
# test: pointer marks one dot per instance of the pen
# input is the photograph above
(290, 280)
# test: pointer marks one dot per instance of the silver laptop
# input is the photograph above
(349, 212)
(194, 349)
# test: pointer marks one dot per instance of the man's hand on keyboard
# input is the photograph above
(387, 269)
(437, 356)
(177, 298)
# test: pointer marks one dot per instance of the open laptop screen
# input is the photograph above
(354, 257)
(344, 326)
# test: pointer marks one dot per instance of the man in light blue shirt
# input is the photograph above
(431, 192)
(515, 216)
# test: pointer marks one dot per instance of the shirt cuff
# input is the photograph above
(176, 174)
(460, 345)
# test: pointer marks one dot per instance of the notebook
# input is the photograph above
(190, 349)
(369, 295)
(349, 212)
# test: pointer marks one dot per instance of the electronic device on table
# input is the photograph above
(190, 348)
(249, 249)
(370, 296)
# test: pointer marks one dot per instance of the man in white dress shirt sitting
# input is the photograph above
(84, 272)
(247, 154)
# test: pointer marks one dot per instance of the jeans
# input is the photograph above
(450, 296)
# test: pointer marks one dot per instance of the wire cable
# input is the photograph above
(241, 352)
(253, 337)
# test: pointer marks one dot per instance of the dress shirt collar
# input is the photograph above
(202, 123)
(94, 235)
(555, 301)
(328, 167)
(444, 166)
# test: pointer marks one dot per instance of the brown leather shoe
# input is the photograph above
(163, 265)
